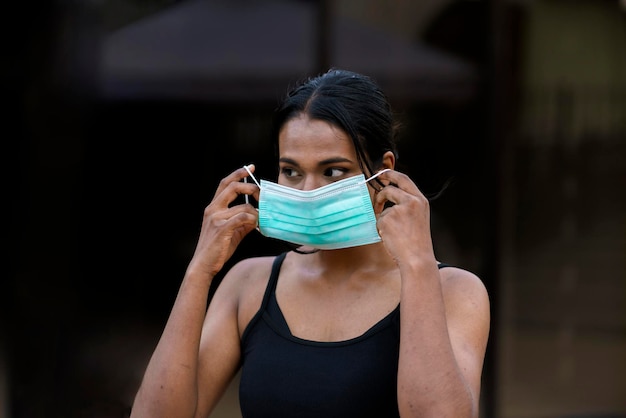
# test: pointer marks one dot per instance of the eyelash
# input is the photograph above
(328, 172)
(287, 171)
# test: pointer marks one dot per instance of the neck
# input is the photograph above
(365, 257)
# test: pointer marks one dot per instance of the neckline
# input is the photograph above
(282, 328)
(279, 324)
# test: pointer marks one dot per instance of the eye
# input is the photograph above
(288, 172)
(334, 172)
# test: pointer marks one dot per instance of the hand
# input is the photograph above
(405, 226)
(224, 227)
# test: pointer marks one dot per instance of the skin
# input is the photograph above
(444, 313)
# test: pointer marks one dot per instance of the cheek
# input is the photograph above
(373, 194)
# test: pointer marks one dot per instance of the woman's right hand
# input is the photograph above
(224, 226)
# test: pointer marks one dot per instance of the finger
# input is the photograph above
(231, 187)
(243, 215)
(229, 195)
(398, 196)
(231, 218)
(235, 176)
(389, 194)
(399, 180)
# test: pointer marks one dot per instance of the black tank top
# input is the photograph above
(286, 376)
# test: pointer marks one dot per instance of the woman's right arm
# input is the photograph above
(171, 386)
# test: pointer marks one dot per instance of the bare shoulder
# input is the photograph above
(249, 268)
(464, 292)
(457, 279)
(249, 278)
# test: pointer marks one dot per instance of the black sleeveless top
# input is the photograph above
(286, 376)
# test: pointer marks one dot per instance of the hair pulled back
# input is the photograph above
(350, 101)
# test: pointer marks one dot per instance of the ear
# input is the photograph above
(388, 161)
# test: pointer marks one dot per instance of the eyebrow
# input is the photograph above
(325, 162)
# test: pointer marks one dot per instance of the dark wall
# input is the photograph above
(43, 117)
(105, 204)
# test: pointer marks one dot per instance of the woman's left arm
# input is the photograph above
(444, 313)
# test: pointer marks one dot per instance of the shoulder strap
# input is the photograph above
(271, 284)
(269, 291)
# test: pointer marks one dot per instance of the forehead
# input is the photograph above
(303, 135)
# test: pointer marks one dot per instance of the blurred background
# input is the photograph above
(121, 116)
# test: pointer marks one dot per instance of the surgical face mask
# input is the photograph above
(338, 215)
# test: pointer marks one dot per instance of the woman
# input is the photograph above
(372, 327)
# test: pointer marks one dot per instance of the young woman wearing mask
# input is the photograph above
(361, 320)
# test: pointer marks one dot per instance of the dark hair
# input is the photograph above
(350, 101)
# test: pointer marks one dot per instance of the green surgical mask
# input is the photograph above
(338, 215)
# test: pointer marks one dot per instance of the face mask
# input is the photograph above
(338, 215)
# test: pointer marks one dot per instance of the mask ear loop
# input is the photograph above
(377, 174)
(245, 180)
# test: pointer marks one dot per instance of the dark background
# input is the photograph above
(106, 200)
(106, 195)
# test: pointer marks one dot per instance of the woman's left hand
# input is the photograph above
(405, 226)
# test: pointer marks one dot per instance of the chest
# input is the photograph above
(316, 312)
(283, 375)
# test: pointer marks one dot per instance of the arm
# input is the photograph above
(170, 386)
(444, 330)
(444, 314)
